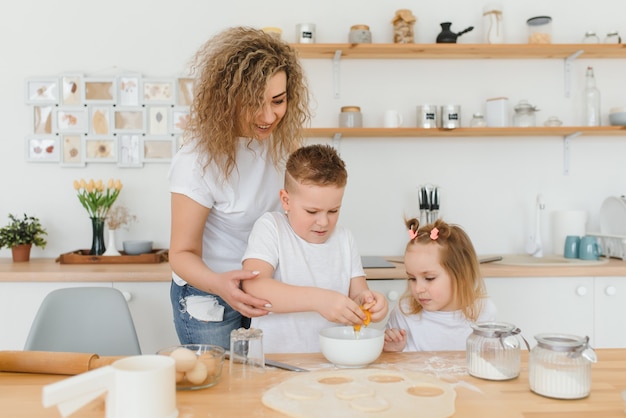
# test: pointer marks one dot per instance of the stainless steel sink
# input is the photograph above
(548, 260)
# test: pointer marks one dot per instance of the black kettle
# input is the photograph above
(447, 36)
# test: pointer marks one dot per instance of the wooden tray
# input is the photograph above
(83, 257)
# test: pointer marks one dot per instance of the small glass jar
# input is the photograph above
(559, 366)
(478, 121)
(524, 115)
(613, 38)
(539, 30)
(350, 117)
(591, 38)
(360, 34)
(493, 351)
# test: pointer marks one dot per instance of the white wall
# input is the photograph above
(488, 185)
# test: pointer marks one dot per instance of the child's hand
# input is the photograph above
(375, 302)
(395, 339)
(340, 309)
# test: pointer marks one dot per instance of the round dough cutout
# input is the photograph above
(335, 380)
(370, 404)
(354, 391)
(425, 391)
(302, 393)
(385, 378)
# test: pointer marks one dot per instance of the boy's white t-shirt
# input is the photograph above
(438, 330)
(330, 265)
(235, 204)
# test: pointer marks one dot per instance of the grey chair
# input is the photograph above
(84, 320)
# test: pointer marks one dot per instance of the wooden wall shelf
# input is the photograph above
(562, 131)
(461, 51)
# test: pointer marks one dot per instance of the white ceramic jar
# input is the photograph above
(559, 366)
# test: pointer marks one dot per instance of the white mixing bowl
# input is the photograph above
(341, 347)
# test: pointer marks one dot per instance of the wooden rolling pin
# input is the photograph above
(47, 362)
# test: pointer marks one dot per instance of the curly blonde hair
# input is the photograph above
(231, 72)
(458, 258)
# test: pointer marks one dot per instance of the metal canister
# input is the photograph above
(450, 116)
(305, 33)
(559, 366)
(428, 116)
(360, 34)
(493, 351)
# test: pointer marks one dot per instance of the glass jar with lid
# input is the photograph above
(559, 366)
(360, 34)
(539, 30)
(591, 38)
(478, 121)
(613, 38)
(350, 117)
(493, 351)
(524, 115)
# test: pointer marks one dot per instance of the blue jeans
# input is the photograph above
(193, 331)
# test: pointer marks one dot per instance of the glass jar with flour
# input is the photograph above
(493, 351)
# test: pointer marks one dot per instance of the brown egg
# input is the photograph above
(198, 374)
(185, 359)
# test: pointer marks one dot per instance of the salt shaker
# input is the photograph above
(493, 351)
(559, 366)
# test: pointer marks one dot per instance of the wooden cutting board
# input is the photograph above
(349, 393)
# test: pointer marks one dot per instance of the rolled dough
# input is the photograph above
(349, 393)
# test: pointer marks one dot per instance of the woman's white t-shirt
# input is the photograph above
(235, 204)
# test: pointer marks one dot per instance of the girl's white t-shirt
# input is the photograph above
(438, 330)
(235, 204)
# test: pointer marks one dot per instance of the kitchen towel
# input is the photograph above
(564, 223)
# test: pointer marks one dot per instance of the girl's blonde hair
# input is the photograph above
(231, 73)
(458, 258)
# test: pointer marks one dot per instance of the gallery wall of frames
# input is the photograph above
(128, 119)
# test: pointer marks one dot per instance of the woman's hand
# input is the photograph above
(228, 287)
(395, 339)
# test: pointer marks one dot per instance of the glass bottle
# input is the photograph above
(559, 366)
(613, 38)
(493, 351)
(591, 100)
(591, 38)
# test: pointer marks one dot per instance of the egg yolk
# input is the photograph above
(366, 321)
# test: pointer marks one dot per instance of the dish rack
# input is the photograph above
(611, 245)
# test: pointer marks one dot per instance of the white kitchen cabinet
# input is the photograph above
(545, 304)
(610, 312)
(150, 306)
(19, 302)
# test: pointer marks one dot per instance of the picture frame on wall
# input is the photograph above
(71, 89)
(129, 150)
(42, 119)
(42, 148)
(100, 150)
(72, 150)
(41, 91)
(70, 119)
(128, 87)
(100, 120)
(184, 91)
(99, 90)
(179, 119)
(157, 91)
(158, 120)
(129, 120)
(158, 150)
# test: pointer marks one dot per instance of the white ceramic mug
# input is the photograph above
(136, 386)
(392, 119)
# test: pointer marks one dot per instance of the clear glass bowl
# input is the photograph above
(198, 366)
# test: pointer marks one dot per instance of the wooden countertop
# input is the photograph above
(237, 397)
(47, 270)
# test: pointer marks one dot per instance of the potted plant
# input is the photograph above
(20, 235)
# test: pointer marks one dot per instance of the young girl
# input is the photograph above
(445, 291)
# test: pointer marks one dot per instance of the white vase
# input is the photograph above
(111, 250)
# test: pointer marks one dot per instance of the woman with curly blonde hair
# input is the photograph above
(445, 291)
(250, 104)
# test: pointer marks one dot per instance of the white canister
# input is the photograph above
(428, 116)
(450, 116)
(564, 223)
(497, 113)
(305, 33)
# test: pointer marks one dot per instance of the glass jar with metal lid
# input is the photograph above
(559, 366)
(613, 38)
(493, 351)
(524, 114)
(591, 38)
